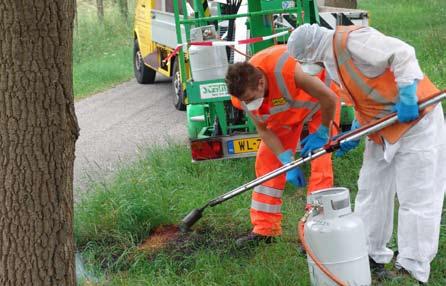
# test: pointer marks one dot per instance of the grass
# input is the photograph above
(160, 189)
(419, 23)
(163, 186)
(102, 52)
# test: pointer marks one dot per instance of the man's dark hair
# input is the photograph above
(242, 76)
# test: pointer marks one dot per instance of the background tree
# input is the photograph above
(76, 16)
(124, 8)
(38, 131)
(100, 6)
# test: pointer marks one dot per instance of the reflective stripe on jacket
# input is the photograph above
(285, 104)
(373, 98)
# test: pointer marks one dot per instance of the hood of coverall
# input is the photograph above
(313, 44)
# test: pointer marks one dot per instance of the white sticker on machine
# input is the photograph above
(287, 4)
(213, 90)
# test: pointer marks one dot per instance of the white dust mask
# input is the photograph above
(255, 104)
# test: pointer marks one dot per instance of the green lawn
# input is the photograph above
(102, 52)
(164, 185)
(160, 189)
(421, 24)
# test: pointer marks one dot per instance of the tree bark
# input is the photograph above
(100, 6)
(38, 131)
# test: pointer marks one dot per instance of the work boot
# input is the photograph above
(379, 271)
(253, 239)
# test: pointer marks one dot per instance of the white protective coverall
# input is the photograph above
(414, 168)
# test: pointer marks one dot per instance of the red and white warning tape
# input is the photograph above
(225, 43)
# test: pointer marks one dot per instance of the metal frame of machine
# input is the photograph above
(216, 129)
(222, 123)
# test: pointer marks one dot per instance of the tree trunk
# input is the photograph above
(38, 131)
(100, 6)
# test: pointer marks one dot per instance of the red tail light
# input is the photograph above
(206, 149)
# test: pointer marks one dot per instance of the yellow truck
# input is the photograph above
(154, 39)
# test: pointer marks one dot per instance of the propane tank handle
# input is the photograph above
(332, 202)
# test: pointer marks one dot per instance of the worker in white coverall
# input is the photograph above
(379, 75)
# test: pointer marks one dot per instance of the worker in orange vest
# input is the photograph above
(380, 75)
(279, 97)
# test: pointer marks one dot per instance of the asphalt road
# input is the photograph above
(120, 122)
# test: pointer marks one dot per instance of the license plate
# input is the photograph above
(243, 145)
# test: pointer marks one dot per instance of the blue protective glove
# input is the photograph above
(294, 176)
(349, 145)
(407, 107)
(314, 141)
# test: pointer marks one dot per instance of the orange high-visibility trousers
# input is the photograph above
(266, 215)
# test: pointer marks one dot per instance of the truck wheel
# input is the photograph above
(179, 95)
(143, 73)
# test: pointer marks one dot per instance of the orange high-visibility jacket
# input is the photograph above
(373, 98)
(283, 95)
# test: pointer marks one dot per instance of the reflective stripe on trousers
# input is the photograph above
(266, 202)
(267, 207)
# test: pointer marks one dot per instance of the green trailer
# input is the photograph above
(216, 129)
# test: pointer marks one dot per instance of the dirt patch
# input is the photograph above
(181, 246)
(160, 238)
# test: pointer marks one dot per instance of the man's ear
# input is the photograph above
(261, 84)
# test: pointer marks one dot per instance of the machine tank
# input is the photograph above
(207, 62)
